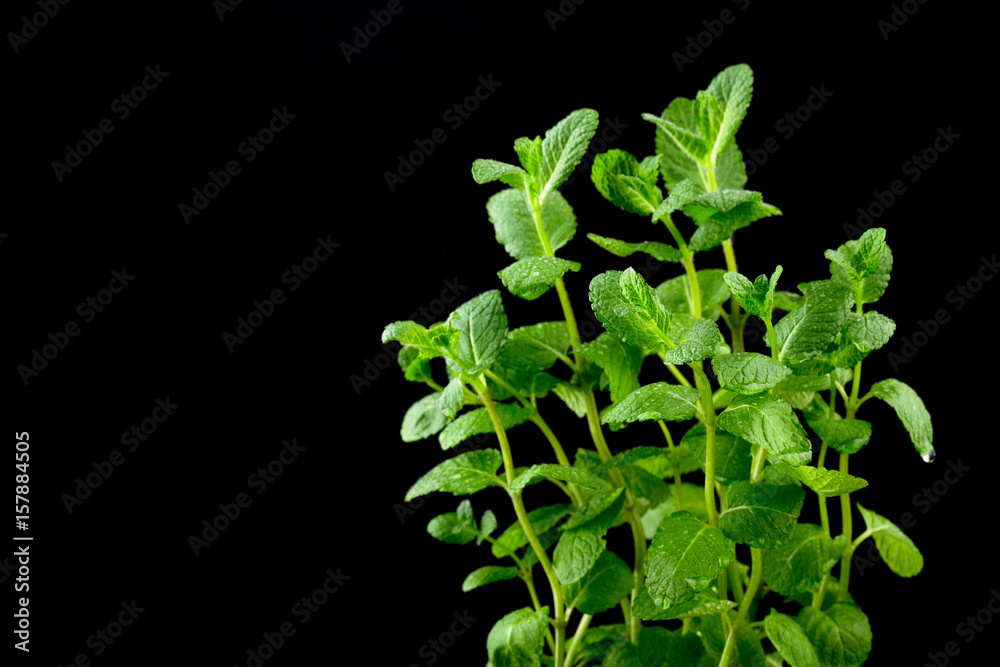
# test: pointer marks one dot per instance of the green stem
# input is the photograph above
(736, 317)
(683, 381)
(581, 629)
(817, 602)
(756, 565)
(678, 484)
(560, 453)
(848, 530)
(772, 338)
(708, 409)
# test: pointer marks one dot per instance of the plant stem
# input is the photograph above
(708, 408)
(756, 574)
(736, 316)
(678, 484)
(581, 629)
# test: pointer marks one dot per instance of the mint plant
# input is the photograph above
(719, 560)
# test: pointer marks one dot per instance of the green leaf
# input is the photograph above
(761, 515)
(489, 574)
(699, 605)
(478, 421)
(846, 436)
(769, 422)
(808, 331)
(415, 369)
(659, 647)
(827, 482)
(870, 331)
(560, 472)
(575, 554)
(563, 148)
(757, 297)
(749, 649)
(681, 193)
(676, 296)
(699, 341)
(694, 502)
(423, 419)
(680, 126)
(618, 177)
(623, 655)
(517, 639)
(790, 640)
(720, 213)
(573, 397)
(630, 456)
(461, 475)
(733, 457)
(452, 398)
(599, 513)
(514, 223)
(530, 278)
(788, 301)
(455, 527)
(748, 372)
(489, 524)
(876, 279)
(487, 171)
(911, 412)
(535, 347)
(661, 251)
(429, 343)
(685, 557)
(529, 153)
(483, 326)
(733, 88)
(621, 363)
(803, 560)
(656, 401)
(607, 583)
(541, 519)
(897, 550)
(841, 634)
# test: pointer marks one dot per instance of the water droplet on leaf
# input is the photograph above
(929, 456)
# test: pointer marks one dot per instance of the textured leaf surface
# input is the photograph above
(677, 297)
(490, 574)
(423, 419)
(656, 401)
(699, 605)
(897, 550)
(699, 341)
(542, 519)
(514, 223)
(846, 436)
(575, 554)
(463, 474)
(748, 372)
(478, 421)
(685, 556)
(808, 331)
(487, 171)
(631, 316)
(911, 412)
(482, 324)
(803, 560)
(619, 176)
(790, 640)
(560, 472)
(769, 422)
(517, 639)
(535, 347)
(761, 515)
(530, 278)
(841, 635)
(661, 251)
(607, 583)
(732, 455)
(621, 363)
(454, 527)
(827, 482)
(563, 148)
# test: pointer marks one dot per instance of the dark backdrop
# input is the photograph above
(349, 107)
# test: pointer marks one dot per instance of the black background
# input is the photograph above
(338, 505)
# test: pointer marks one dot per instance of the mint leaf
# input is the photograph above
(514, 223)
(676, 296)
(788, 301)
(699, 605)
(681, 193)
(560, 472)
(575, 554)
(599, 513)
(757, 297)
(483, 326)
(490, 574)
(656, 401)
(635, 316)
(487, 171)
(429, 343)
(661, 251)
(870, 331)
(517, 639)
(573, 397)
(701, 340)
(732, 455)
(679, 124)
(618, 176)
(767, 421)
(803, 560)
(694, 502)
(488, 525)
(733, 88)
(715, 225)
(790, 640)
(748, 372)
(846, 271)
(841, 634)
(761, 515)
(530, 278)
(808, 331)
(535, 347)
(827, 482)
(455, 527)
(911, 412)
(415, 369)
(897, 550)
(846, 436)
(685, 557)
(464, 474)
(607, 583)
(423, 419)
(659, 647)
(630, 456)
(621, 363)
(563, 148)
(452, 398)
(478, 421)
(541, 520)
